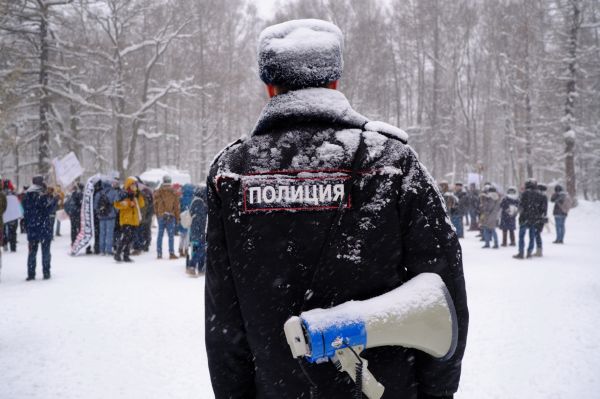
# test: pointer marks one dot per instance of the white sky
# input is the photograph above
(266, 8)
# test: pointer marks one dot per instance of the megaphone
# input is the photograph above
(419, 314)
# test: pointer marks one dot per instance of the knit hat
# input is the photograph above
(300, 53)
(531, 184)
(558, 188)
(38, 180)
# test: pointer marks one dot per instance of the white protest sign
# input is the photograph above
(14, 210)
(474, 178)
(67, 169)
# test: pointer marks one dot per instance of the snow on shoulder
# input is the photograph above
(387, 130)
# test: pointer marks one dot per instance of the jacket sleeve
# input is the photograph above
(230, 360)
(430, 244)
(157, 203)
(141, 201)
(3, 204)
(120, 206)
(177, 208)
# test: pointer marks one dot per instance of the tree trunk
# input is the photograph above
(44, 142)
(569, 135)
(436, 88)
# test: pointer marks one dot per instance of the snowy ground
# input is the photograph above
(104, 330)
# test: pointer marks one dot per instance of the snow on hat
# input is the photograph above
(300, 53)
(531, 184)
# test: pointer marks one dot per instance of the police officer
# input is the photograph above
(318, 206)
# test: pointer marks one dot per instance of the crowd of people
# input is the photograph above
(486, 210)
(123, 216)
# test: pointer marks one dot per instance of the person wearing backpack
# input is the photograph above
(106, 212)
(562, 205)
(73, 209)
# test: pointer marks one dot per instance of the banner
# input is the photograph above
(86, 230)
(14, 210)
(474, 178)
(67, 169)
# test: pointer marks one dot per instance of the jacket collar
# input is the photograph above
(311, 105)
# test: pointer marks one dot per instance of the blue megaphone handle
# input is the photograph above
(324, 342)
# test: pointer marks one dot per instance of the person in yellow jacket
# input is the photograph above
(129, 205)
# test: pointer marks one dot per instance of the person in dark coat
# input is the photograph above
(20, 196)
(508, 217)
(107, 215)
(318, 190)
(73, 209)
(199, 213)
(473, 200)
(462, 210)
(143, 233)
(562, 205)
(542, 218)
(531, 207)
(38, 207)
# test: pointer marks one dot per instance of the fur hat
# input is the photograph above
(300, 53)
(531, 184)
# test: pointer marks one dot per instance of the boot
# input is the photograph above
(127, 259)
(173, 256)
(191, 271)
(47, 276)
(538, 252)
(528, 255)
(117, 257)
(181, 253)
(30, 278)
(159, 256)
(518, 256)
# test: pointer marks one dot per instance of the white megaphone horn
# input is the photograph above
(419, 314)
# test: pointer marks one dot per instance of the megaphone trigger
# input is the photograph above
(348, 360)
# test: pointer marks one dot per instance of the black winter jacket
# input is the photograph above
(533, 207)
(198, 211)
(272, 198)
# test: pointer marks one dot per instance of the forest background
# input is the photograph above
(509, 89)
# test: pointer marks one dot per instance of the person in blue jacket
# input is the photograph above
(107, 214)
(198, 212)
(187, 196)
(38, 208)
